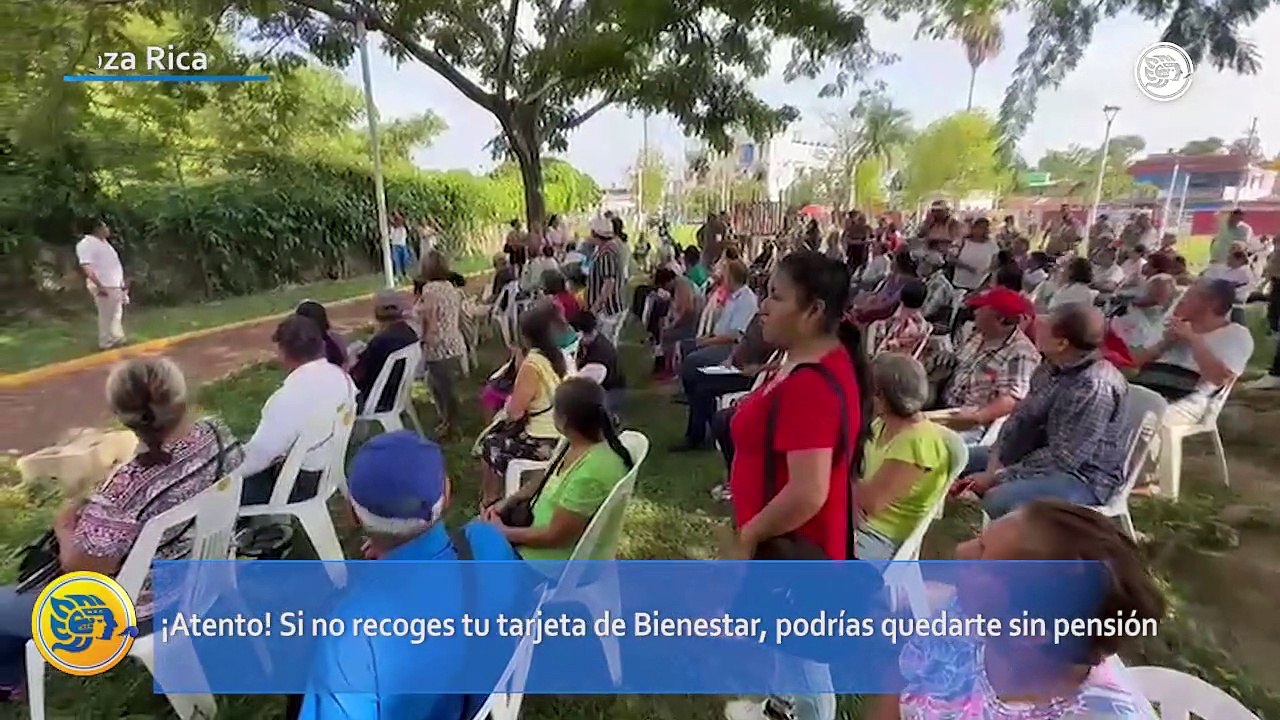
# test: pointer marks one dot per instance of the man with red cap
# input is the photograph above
(993, 368)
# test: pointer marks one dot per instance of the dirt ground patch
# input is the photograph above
(1232, 593)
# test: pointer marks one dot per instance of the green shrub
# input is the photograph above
(279, 221)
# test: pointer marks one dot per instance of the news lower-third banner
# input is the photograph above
(624, 627)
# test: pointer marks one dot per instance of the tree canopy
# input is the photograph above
(955, 156)
(543, 68)
(1078, 167)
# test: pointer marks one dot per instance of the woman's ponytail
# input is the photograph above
(851, 338)
(610, 432)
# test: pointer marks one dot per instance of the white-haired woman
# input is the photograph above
(177, 457)
(906, 461)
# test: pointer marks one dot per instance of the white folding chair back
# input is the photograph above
(517, 467)
(594, 372)
(313, 513)
(1144, 414)
(505, 312)
(508, 695)
(904, 578)
(601, 594)
(214, 512)
(1179, 696)
(1172, 435)
(410, 358)
(707, 320)
(874, 337)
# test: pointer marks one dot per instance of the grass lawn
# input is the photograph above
(671, 516)
(26, 346)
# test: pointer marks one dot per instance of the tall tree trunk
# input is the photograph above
(973, 77)
(520, 128)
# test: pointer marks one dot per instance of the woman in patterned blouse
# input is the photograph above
(177, 458)
(440, 308)
(974, 679)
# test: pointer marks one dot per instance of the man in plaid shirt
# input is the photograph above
(993, 368)
(1064, 440)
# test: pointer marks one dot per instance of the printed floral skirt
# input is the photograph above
(498, 449)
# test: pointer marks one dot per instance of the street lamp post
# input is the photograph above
(380, 193)
(1110, 112)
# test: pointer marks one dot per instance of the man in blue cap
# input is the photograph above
(398, 492)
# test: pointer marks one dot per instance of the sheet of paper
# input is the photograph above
(720, 370)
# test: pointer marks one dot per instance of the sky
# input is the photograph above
(930, 81)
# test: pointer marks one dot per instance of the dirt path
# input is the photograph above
(38, 415)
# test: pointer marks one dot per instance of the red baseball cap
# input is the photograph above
(1004, 301)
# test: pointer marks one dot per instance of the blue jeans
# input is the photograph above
(1018, 490)
(400, 259)
(15, 631)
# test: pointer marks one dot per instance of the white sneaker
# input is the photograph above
(1266, 382)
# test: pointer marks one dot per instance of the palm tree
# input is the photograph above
(884, 132)
(976, 25)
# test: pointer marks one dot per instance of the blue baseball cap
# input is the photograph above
(396, 482)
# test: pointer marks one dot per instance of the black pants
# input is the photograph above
(1273, 307)
(1275, 362)
(720, 431)
(703, 392)
(258, 486)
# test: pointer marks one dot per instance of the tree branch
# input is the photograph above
(422, 53)
(508, 40)
(587, 114)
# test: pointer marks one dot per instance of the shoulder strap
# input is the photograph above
(842, 442)
(546, 475)
(462, 547)
(461, 544)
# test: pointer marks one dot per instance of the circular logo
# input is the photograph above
(1163, 72)
(83, 623)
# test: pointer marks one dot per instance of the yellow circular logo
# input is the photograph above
(83, 623)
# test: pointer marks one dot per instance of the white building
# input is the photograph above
(779, 161)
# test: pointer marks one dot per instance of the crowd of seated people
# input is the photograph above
(817, 415)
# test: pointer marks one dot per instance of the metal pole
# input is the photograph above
(644, 160)
(380, 193)
(1168, 198)
(1108, 111)
(1248, 161)
(1182, 203)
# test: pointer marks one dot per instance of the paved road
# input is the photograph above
(39, 414)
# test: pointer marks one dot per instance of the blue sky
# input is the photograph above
(930, 80)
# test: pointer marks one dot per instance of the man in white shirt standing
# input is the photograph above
(313, 389)
(104, 276)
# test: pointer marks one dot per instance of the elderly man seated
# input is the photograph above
(1064, 440)
(1201, 351)
(1142, 323)
(993, 368)
(393, 334)
(740, 305)
(398, 493)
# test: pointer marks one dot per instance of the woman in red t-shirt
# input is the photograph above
(813, 446)
(553, 285)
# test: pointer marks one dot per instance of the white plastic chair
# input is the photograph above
(508, 694)
(601, 594)
(214, 512)
(313, 514)
(1145, 414)
(1171, 437)
(902, 576)
(1179, 696)
(410, 357)
(594, 372)
(505, 312)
